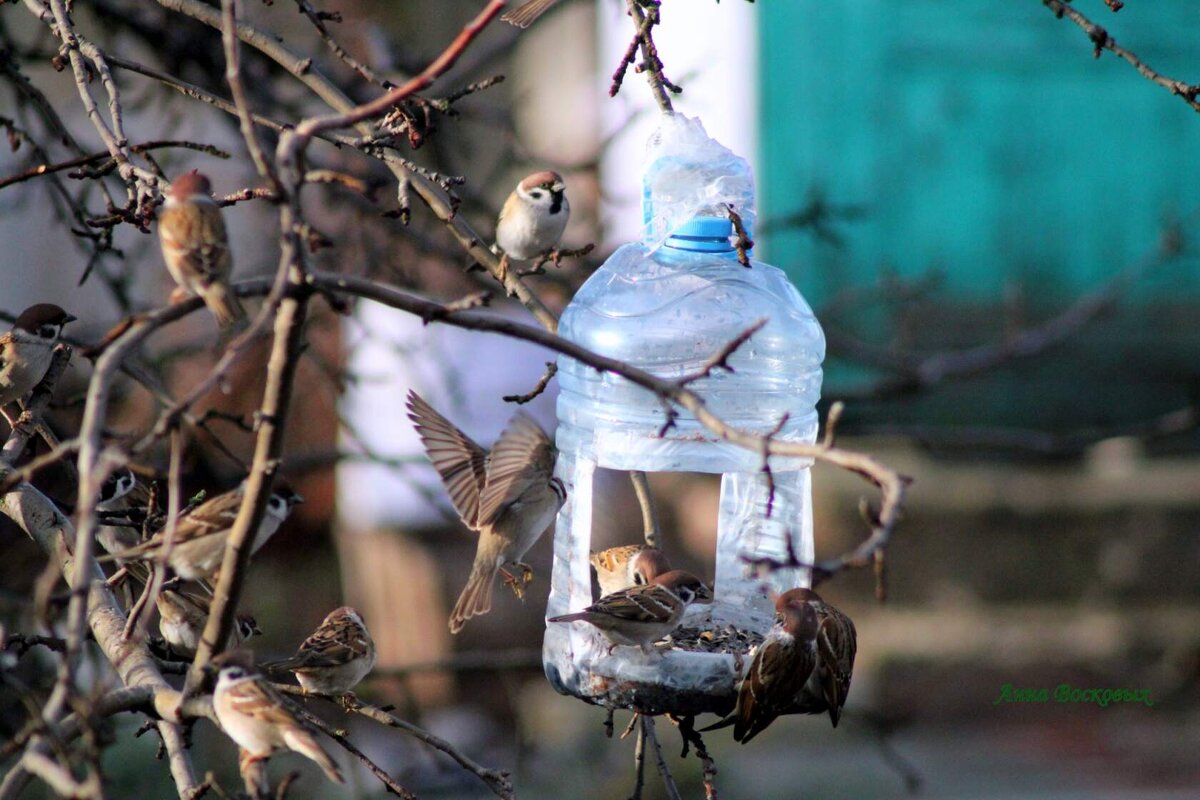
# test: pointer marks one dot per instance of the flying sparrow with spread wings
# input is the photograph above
(256, 716)
(198, 546)
(510, 495)
(196, 247)
(532, 219)
(641, 615)
(338, 654)
(628, 565)
(28, 348)
(837, 643)
(781, 666)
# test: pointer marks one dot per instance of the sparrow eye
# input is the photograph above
(536, 194)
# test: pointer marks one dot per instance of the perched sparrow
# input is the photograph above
(509, 495)
(642, 615)
(117, 495)
(200, 535)
(257, 717)
(335, 657)
(525, 14)
(533, 218)
(183, 615)
(781, 667)
(196, 248)
(28, 348)
(829, 683)
(629, 565)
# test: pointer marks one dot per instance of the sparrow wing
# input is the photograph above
(524, 16)
(522, 459)
(836, 646)
(5, 341)
(779, 671)
(258, 699)
(640, 604)
(330, 645)
(458, 459)
(212, 516)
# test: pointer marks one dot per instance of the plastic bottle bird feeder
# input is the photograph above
(667, 305)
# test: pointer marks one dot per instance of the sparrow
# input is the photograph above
(200, 535)
(509, 495)
(827, 687)
(781, 666)
(255, 715)
(629, 565)
(532, 219)
(182, 615)
(527, 13)
(641, 615)
(196, 248)
(338, 654)
(117, 495)
(28, 348)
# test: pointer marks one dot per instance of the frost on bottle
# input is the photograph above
(666, 305)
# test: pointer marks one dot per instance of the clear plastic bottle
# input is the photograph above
(668, 310)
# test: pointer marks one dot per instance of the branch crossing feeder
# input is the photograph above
(667, 304)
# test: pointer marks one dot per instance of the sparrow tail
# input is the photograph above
(303, 742)
(723, 723)
(223, 304)
(476, 597)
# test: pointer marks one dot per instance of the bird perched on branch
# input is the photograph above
(28, 348)
(338, 654)
(196, 247)
(780, 668)
(182, 615)
(259, 719)
(641, 615)
(119, 493)
(532, 219)
(628, 565)
(510, 496)
(198, 547)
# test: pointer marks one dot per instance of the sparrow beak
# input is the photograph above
(557, 186)
(297, 498)
(69, 318)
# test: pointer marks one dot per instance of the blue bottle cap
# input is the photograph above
(704, 234)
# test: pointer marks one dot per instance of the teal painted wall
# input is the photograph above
(985, 141)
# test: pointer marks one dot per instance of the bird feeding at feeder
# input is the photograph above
(641, 615)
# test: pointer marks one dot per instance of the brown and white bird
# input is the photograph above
(28, 348)
(527, 13)
(837, 642)
(182, 615)
(533, 218)
(628, 565)
(510, 495)
(120, 492)
(198, 546)
(781, 666)
(338, 654)
(641, 615)
(196, 247)
(258, 718)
